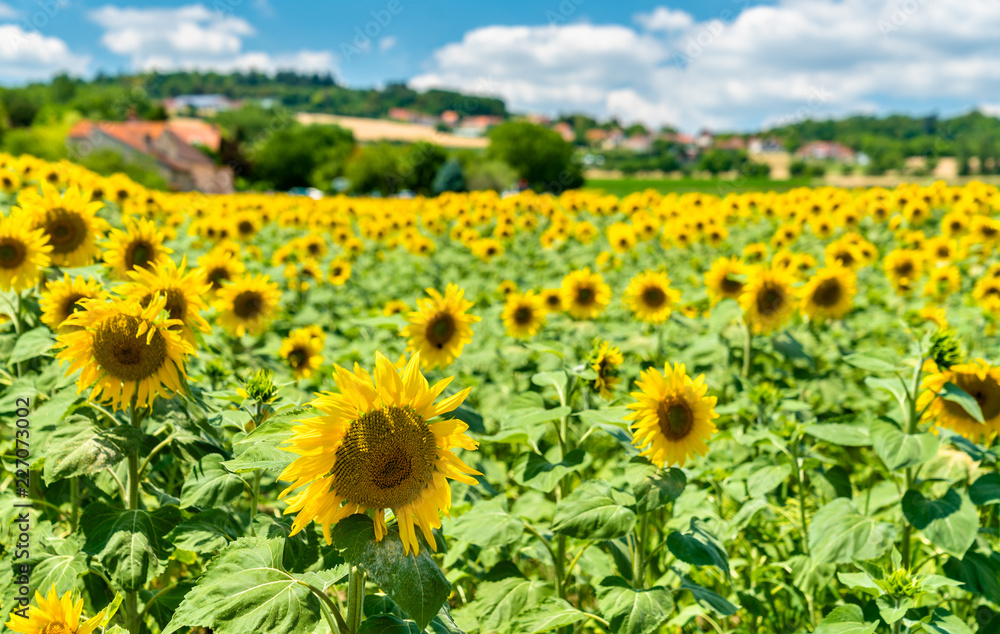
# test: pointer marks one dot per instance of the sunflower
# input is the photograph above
(650, 297)
(374, 446)
(487, 248)
(829, 294)
(605, 361)
(301, 350)
(673, 416)
(726, 279)
(340, 272)
(584, 294)
(523, 315)
(903, 267)
(140, 245)
(62, 298)
(440, 327)
(185, 292)
(981, 381)
(943, 282)
(220, 265)
(125, 350)
(768, 300)
(987, 294)
(69, 221)
(394, 307)
(53, 615)
(506, 287)
(247, 304)
(23, 253)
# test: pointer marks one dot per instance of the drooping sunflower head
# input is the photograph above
(69, 222)
(523, 315)
(184, 291)
(726, 279)
(604, 360)
(768, 300)
(64, 297)
(23, 253)
(981, 381)
(440, 327)
(650, 297)
(125, 350)
(139, 246)
(301, 349)
(53, 614)
(552, 300)
(829, 294)
(673, 415)
(247, 304)
(377, 445)
(584, 294)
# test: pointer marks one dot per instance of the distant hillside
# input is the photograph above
(116, 97)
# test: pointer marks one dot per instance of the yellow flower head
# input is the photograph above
(584, 294)
(829, 294)
(69, 222)
(247, 304)
(23, 253)
(301, 349)
(981, 381)
(768, 300)
(523, 315)
(54, 615)
(139, 246)
(184, 290)
(440, 327)
(650, 297)
(605, 361)
(64, 297)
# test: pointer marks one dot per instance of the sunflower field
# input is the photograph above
(753, 413)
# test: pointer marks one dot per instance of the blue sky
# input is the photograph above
(715, 63)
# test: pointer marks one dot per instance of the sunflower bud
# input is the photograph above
(215, 371)
(260, 387)
(900, 584)
(945, 349)
(765, 394)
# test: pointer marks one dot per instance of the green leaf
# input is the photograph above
(955, 394)
(594, 511)
(276, 428)
(548, 615)
(487, 525)
(859, 581)
(944, 622)
(889, 611)
(130, 544)
(845, 619)
(36, 342)
(556, 379)
(950, 523)
(653, 487)
(263, 456)
(986, 490)
(79, 447)
(840, 434)
(245, 589)
(60, 570)
(501, 601)
(978, 572)
(838, 534)
(387, 624)
(709, 597)
(533, 470)
(899, 450)
(766, 479)
(413, 582)
(206, 532)
(633, 611)
(869, 363)
(211, 485)
(698, 548)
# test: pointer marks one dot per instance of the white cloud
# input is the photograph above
(195, 37)
(387, 43)
(664, 19)
(29, 55)
(8, 12)
(795, 59)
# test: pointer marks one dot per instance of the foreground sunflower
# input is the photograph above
(440, 327)
(673, 416)
(247, 304)
(523, 315)
(185, 292)
(375, 447)
(605, 361)
(768, 300)
(139, 246)
(64, 297)
(981, 381)
(23, 253)
(69, 222)
(301, 349)
(54, 615)
(584, 294)
(650, 297)
(829, 294)
(124, 349)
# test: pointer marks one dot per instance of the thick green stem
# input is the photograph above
(747, 349)
(355, 599)
(254, 497)
(639, 556)
(132, 619)
(913, 419)
(800, 489)
(74, 494)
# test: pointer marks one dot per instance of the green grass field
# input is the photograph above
(624, 186)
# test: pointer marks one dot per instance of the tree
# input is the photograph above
(539, 156)
(450, 178)
(375, 168)
(419, 164)
(296, 155)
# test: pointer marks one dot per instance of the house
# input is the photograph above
(595, 136)
(639, 143)
(168, 145)
(402, 114)
(450, 117)
(732, 143)
(770, 145)
(826, 150)
(477, 125)
(203, 105)
(566, 131)
(705, 139)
